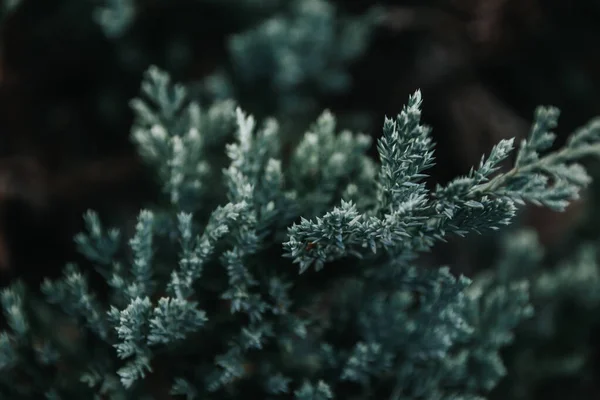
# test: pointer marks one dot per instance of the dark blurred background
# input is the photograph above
(483, 67)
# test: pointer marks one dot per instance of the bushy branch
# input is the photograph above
(201, 303)
(408, 217)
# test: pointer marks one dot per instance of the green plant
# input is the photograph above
(263, 276)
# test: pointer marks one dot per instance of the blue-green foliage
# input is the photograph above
(406, 217)
(292, 51)
(205, 299)
(115, 16)
(167, 133)
(304, 48)
(555, 344)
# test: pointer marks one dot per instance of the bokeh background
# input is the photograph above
(68, 69)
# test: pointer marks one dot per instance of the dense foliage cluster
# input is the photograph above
(277, 266)
(214, 295)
